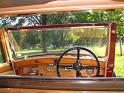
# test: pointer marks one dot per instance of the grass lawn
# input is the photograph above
(119, 62)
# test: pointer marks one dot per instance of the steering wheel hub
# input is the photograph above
(77, 66)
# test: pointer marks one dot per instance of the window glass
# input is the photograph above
(1, 54)
(52, 40)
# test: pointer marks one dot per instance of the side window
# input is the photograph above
(1, 54)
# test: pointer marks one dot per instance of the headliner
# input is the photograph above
(14, 7)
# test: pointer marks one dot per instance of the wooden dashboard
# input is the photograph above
(46, 67)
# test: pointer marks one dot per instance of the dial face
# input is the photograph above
(50, 67)
(90, 71)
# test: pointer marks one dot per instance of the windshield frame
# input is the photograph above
(58, 26)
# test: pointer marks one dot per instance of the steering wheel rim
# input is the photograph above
(78, 59)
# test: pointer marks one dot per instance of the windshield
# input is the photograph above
(29, 42)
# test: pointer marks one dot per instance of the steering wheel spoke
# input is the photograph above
(66, 66)
(78, 73)
(78, 55)
(89, 67)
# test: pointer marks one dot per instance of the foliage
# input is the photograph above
(116, 16)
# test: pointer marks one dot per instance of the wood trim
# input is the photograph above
(51, 60)
(4, 67)
(4, 45)
(111, 50)
(60, 26)
(79, 84)
(19, 90)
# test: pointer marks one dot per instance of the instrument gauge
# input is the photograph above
(90, 71)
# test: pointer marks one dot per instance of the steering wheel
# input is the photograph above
(77, 66)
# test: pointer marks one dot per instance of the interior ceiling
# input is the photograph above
(13, 7)
(11, 3)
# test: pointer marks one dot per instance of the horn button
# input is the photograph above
(77, 66)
